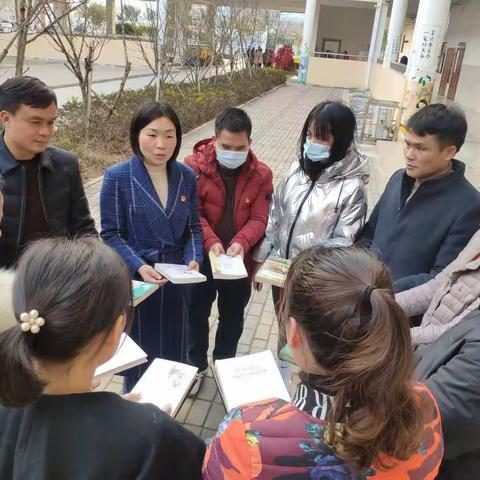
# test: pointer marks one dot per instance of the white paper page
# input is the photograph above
(129, 354)
(231, 265)
(250, 378)
(165, 383)
(179, 273)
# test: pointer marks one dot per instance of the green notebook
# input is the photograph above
(142, 290)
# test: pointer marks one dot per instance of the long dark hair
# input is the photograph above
(364, 346)
(330, 118)
(147, 113)
(80, 287)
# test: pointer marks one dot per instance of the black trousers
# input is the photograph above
(233, 297)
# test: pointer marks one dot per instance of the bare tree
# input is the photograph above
(162, 45)
(80, 51)
(28, 13)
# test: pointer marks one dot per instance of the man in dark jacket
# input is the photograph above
(428, 211)
(43, 192)
(235, 191)
(450, 367)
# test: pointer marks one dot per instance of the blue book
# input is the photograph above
(142, 290)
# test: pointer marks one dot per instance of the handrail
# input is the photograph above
(341, 56)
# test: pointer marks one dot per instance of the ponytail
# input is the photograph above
(374, 399)
(19, 383)
(343, 301)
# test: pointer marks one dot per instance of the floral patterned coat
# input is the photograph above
(276, 440)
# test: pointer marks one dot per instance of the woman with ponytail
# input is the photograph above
(72, 301)
(356, 413)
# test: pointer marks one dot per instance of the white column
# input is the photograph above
(373, 41)
(395, 31)
(428, 35)
(381, 31)
(309, 26)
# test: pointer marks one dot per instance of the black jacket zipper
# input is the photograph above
(22, 209)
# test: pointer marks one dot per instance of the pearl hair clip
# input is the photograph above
(31, 322)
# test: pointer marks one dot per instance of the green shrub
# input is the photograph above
(109, 141)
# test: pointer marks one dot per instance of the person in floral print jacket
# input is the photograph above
(356, 413)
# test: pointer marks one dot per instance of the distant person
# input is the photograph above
(356, 413)
(149, 214)
(258, 57)
(404, 60)
(72, 299)
(43, 192)
(428, 211)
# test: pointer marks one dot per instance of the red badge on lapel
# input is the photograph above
(183, 198)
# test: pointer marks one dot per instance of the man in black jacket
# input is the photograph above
(450, 367)
(43, 193)
(428, 211)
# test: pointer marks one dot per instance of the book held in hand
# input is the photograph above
(166, 384)
(128, 355)
(225, 267)
(247, 379)
(142, 290)
(273, 271)
(179, 274)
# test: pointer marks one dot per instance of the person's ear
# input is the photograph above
(4, 117)
(294, 337)
(450, 152)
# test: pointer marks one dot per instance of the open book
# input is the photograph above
(273, 271)
(166, 384)
(128, 355)
(179, 274)
(142, 290)
(225, 267)
(250, 378)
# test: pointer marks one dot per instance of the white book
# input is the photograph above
(166, 384)
(247, 379)
(225, 267)
(179, 274)
(128, 355)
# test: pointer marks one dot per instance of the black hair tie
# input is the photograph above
(368, 292)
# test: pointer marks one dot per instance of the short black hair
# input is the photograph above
(234, 120)
(147, 113)
(29, 91)
(447, 123)
(330, 118)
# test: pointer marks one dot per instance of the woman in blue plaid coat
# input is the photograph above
(149, 214)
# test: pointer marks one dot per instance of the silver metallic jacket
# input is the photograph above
(329, 211)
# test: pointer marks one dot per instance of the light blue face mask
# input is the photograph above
(230, 159)
(316, 152)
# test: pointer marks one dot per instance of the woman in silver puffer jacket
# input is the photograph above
(322, 200)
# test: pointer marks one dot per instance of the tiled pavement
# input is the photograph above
(277, 119)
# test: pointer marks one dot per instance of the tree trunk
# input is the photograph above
(22, 37)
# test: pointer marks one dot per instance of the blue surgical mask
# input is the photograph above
(230, 159)
(316, 152)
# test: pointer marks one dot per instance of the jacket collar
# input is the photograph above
(9, 162)
(157, 216)
(434, 185)
(206, 158)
